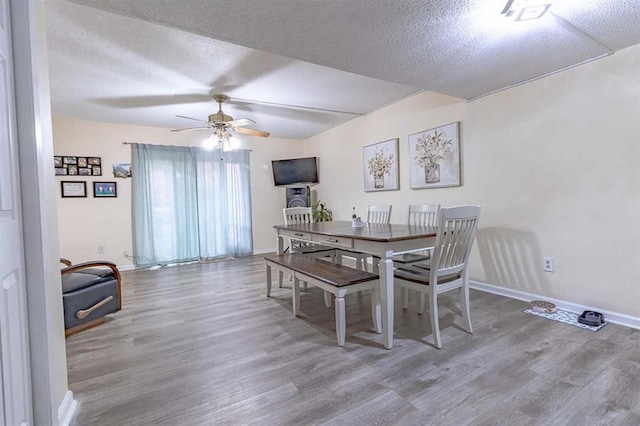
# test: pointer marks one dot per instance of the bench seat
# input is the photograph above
(336, 279)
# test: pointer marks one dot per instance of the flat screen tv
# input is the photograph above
(295, 171)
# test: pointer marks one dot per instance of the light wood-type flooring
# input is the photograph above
(202, 345)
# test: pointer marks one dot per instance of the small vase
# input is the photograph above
(378, 181)
(432, 173)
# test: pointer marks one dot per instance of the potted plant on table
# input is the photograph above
(320, 212)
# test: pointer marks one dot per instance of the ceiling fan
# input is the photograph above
(221, 123)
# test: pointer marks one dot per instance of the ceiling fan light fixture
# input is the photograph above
(210, 142)
(525, 10)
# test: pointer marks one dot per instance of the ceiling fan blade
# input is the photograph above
(191, 128)
(194, 119)
(150, 101)
(251, 132)
(240, 122)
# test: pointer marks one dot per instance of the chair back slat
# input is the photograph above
(456, 232)
(423, 214)
(297, 215)
(379, 214)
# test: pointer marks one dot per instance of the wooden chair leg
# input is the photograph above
(464, 308)
(327, 299)
(268, 281)
(376, 309)
(435, 324)
(341, 325)
(296, 296)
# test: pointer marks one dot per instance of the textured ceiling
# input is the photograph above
(112, 68)
(462, 48)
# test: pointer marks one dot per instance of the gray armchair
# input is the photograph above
(90, 290)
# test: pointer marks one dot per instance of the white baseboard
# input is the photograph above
(264, 251)
(66, 409)
(127, 267)
(610, 316)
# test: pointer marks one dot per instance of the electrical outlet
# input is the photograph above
(100, 249)
(548, 264)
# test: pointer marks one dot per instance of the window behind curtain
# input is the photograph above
(189, 204)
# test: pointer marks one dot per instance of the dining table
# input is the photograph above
(383, 241)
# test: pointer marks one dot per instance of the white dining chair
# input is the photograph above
(379, 214)
(419, 215)
(376, 215)
(297, 216)
(303, 215)
(449, 265)
(423, 214)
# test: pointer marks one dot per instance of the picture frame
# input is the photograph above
(380, 166)
(434, 157)
(105, 189)
(77, 166)
(121, 170)
(73, 189)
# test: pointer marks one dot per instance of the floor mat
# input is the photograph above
(565, 317)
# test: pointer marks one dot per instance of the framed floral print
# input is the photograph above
(380, 164)
(434, 157)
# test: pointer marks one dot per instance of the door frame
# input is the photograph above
(51, 400)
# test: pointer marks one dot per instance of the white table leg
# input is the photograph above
(386, 297)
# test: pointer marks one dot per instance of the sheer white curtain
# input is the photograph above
(189, 204)
(224, 203)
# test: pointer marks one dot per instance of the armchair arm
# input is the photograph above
(98, 263)
(92, 264)
(65, 262)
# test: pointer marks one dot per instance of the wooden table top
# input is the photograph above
(371, 232)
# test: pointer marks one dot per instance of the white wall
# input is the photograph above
(86, 223)
(554, 164)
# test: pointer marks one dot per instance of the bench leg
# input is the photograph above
(296, 296)
(376, 309)
(268, 280)
(341, 325)
(327, 299)
(280, 278)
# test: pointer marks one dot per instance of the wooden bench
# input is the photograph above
(336, 279)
